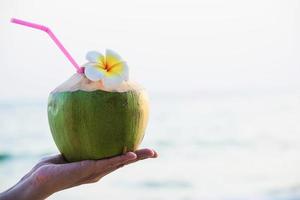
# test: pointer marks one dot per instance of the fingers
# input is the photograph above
(89, 171)
(125, 159)
(87, 168)
(155, 154)
(115, 161)
(145, 153)
(141, 154)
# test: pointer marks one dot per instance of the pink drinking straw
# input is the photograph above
(79, 69)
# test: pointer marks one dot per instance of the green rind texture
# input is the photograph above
(98, 124)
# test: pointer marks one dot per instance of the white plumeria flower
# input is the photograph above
(110, 69)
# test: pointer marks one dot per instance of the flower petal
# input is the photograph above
(93, 72)
(112, 81)
(125, 73)
(94, 56)
(112, 58)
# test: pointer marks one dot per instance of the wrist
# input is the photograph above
(26, 189)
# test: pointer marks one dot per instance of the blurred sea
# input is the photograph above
(223, 145)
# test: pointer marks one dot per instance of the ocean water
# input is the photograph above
(221, 145)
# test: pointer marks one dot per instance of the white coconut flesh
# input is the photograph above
(80, 82)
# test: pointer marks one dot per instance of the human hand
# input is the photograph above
(53, 174)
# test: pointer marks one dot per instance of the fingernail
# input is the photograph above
(155, 154)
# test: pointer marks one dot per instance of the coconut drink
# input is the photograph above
(98, 112)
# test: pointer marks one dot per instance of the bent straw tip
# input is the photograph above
(52, 36)
(17, 21)
(13, 20)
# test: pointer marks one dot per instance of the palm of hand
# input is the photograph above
(53, 173)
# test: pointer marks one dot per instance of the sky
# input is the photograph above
(172, 46)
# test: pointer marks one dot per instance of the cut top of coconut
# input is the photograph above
(81, 82)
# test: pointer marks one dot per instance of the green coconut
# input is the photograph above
(89, 123)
